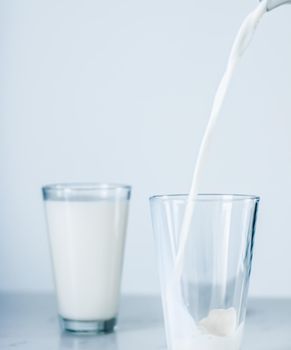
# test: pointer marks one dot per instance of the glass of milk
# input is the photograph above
(87, 228)
(204, 301)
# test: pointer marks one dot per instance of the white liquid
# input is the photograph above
(87, 241)
(211, 342)
(220, 322)
(186, 334)
(241, 42)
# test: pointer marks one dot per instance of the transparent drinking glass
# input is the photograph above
(87, 229)
(205, 305)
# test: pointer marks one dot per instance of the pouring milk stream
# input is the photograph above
(221, 324)
(241, 42)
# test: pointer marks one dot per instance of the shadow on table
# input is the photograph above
(139, 312)
(140, 320)
(88, 342)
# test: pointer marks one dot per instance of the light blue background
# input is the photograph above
(121, 91)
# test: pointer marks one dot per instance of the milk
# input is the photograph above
(183, 332)
(210, 342)
(219, 330)
(87, 243)
(241, 42)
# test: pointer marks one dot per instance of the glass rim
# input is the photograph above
(207, 197)
(84, 186)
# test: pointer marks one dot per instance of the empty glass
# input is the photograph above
(204, 306)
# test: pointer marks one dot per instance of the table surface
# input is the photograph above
(29, 322)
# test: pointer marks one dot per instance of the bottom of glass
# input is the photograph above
(86, 327)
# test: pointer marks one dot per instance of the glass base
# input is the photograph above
(86, 327)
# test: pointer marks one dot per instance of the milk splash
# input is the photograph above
(186, 334)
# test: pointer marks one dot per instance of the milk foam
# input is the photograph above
(220, 322)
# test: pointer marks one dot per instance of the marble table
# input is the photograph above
(29, 322)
